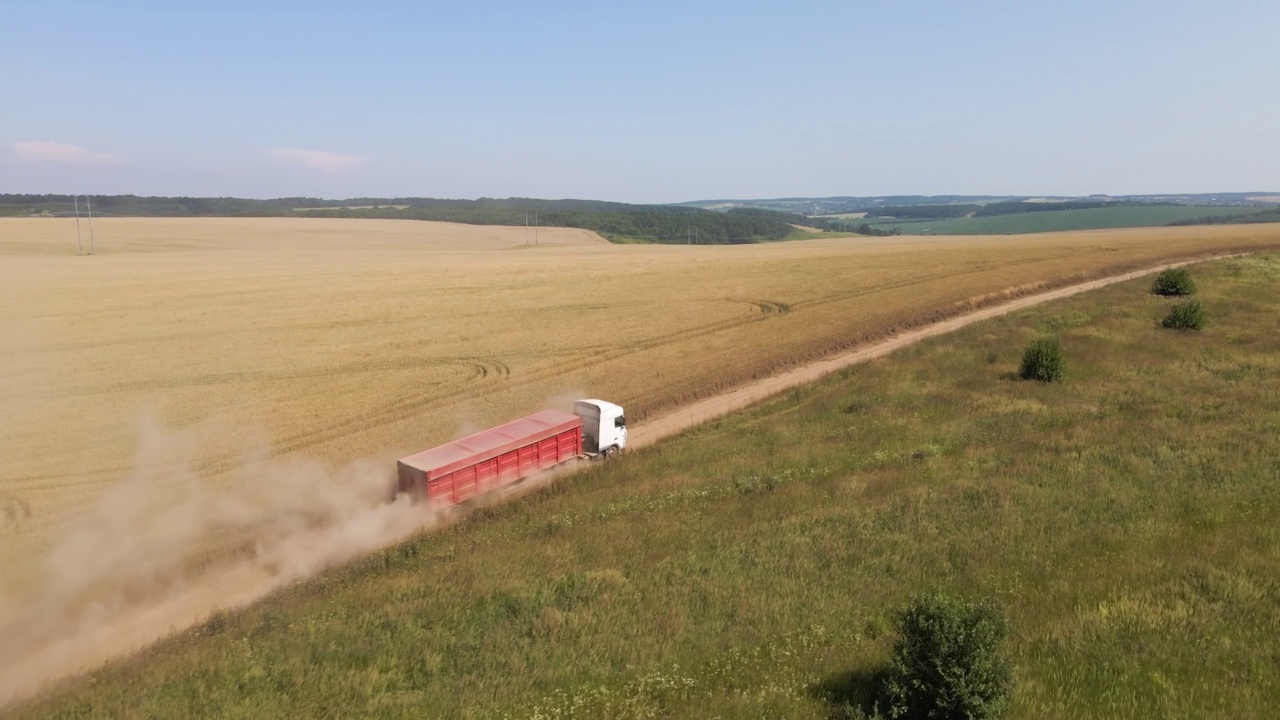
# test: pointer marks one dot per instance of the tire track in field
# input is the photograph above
(481, 369)
(14, 511)
(767, 307)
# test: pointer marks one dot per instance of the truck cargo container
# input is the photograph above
(460, 470)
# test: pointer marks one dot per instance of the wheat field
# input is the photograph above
(342, 339)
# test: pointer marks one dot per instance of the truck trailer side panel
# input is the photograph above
(458, 471)
(464, 484)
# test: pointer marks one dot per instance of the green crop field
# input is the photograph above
(1055, 220)
(1127, 519)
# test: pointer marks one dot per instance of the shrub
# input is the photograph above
(1185, 316)
(1174, 281)
(1043, 360)
(947, 662)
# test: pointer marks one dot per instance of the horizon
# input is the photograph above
(648, 104)
(872, 196)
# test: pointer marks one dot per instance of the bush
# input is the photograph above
(1043, 360)
(946, 662)
(1185, 316)
(1174, 281)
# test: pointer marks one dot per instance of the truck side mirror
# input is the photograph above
(620, 421)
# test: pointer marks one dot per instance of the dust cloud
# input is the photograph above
(470, 420)
(564, 401)
(165, 547)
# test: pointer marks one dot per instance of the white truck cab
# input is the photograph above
(604, 427)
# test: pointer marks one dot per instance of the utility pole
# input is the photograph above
(79, 243)
(89, 204)
(535, 228)
(526, 228)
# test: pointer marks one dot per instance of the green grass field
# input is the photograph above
(1055, 220)
(1127, 519)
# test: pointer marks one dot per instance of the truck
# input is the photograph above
(458, 471)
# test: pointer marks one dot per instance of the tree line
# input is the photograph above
(617, 221)
(644, 223)
(860, 228)
(947, 212)
(1271, 215)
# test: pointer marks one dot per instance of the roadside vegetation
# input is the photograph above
(1187, 315)
(1043, 360)
(1127, 522)
(1174, 282)
(947, 662)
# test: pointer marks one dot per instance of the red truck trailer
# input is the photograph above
(456, 471)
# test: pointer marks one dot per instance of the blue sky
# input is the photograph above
(640, 102)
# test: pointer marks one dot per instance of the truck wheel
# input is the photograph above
(610, 452)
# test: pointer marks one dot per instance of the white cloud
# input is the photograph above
(55, 152)
(322, 160)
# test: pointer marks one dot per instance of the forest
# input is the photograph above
(946, 212)
(620, 222)
(1270, 215)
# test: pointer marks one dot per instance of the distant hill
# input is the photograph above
(1017, 219)
(1001, 215)
(856, 204)
(719, 221)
